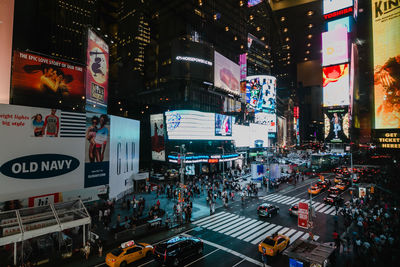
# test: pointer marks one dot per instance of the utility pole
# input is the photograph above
(222, 161)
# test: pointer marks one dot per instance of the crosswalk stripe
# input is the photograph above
(233, 226)
(316, 237)
(220, 219)
(283, 231)
(253, 230)
(296, 200)
(333, 213)
(324, 209)
(316, 205)
(225, 226)
(246, 229)
(296, 236)
(247, 239)
(275, 198)
(292, 231)
(303, 200)
(212, 219)
(279, 198)
(212, 216)
(283, 200)
(239, 227)
(330, 210)
(320, 207)
(224, 222)
(271, 196)
(288, 201)
(273, 230)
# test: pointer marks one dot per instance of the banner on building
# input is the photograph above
(157, 137)
(386, 25)
(96, 74)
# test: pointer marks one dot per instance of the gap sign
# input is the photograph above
(302, 220)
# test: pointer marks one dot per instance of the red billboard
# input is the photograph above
(41, 81)
(303, 215)
(96, 74)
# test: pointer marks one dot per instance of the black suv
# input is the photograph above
(177, 249)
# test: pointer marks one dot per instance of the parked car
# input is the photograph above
(175, 250)
(274, 244)
(333, 200)
(294, 210)
(267, 210)
(322, 184)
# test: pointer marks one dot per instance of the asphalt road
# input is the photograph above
(232, 234)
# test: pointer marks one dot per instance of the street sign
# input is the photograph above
(303, 215)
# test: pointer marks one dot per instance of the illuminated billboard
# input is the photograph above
(268, 119)
(334, 47)
(258, 135)
(336, 85)
(241, 135)
(336, 122)
(96, 74)
(223, 125)
(261, 93)
(193, 125)
(386, 36)
(41, 81)
(345, 22)
(157, 137)
(251, 3)
(226, 74)
(6, 34)
(330, 6)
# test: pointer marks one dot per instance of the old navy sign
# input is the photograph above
(39, 166)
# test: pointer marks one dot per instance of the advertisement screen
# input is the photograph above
(192, 125)
(97, 149)
(226, 74)
(336, 84)
(336, 125)
(223, 125)
(44, 151)
(282, 130)
(334, 47)
(124, 153)
(266, 119)
(44, 82)
(241, 135)
(386, 25)
(243, 66)
(157, 137)
(190, 169)
(340, 23)
(96, 74)
(261, 93)
(258, 135)
(251, 3)
(6, 34)
(335, 5)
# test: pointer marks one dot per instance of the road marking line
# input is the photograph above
(324, 209)
(224, 222)
(320, 207)
(296, 236)
(233, 226)
(209, 217)
(273, 230)
(144, 264)
(284, 230)
(274, 197)
(247, 239)
(277, 199)
(296, 200)
(252, 231)
(239, 263)
(202, 257)
(206, 225)
(229, 224)
(317, 205)
(247, 228)
(240, 227)
(330, 210)
(291, 232)
(316, 237)
(282, 199)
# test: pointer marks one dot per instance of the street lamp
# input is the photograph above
(223, 164)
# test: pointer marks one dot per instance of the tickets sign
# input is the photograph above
(302, 220)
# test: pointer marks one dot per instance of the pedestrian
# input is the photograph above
(87, 250)
(100, 246)
(264, 259)
(100, 215)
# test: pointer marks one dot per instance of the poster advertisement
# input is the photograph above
(223, 125)
(44, 82)
(124, 154)
(386, 25)
(266, 119)
(261, 93)
(335, 47)
(44, 151)
(302, 220)
(336, 125)
(157, 137)
(6, 34)
(96, 74)
(335, 5)
(336, 83)
(226, 74)
(97, 149)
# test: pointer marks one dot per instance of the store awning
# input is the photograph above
(23, 224)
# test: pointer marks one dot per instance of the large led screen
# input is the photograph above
(335, 47)
(192, 125)
(336, 125)
(258, 135)
(157, 137)
(251, 3)
(335, 5)
(42, 151)
(261, 93)
(44, 82)
(226, 74)
(268, 119)
(340, 23)
(386, 36)
(96, 74)
(336, 85)
(223, 125)
(124, 153)
(241, 135)
(6, 33)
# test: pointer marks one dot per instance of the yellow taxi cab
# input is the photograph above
(274, 244)
(337, 180)
(341, 186)
(314, 190)
(127, 253)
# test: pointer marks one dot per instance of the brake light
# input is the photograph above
(290, 209)
(266, 209)
(112, 260)
(165, 255)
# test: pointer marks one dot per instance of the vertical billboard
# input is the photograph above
(330, 6)
(124, 154)
(97, 66)
(223, 125)
(258, 135)
(243, 66)
(345, 22)
(336, 82)
(157, 137)
(261, 93)
(6, 34)
(97, 149)
(41, 81)
(226, 74)
(386, 36)
(334, 47)
(336, 122)
(268, 119)
(42, 151)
